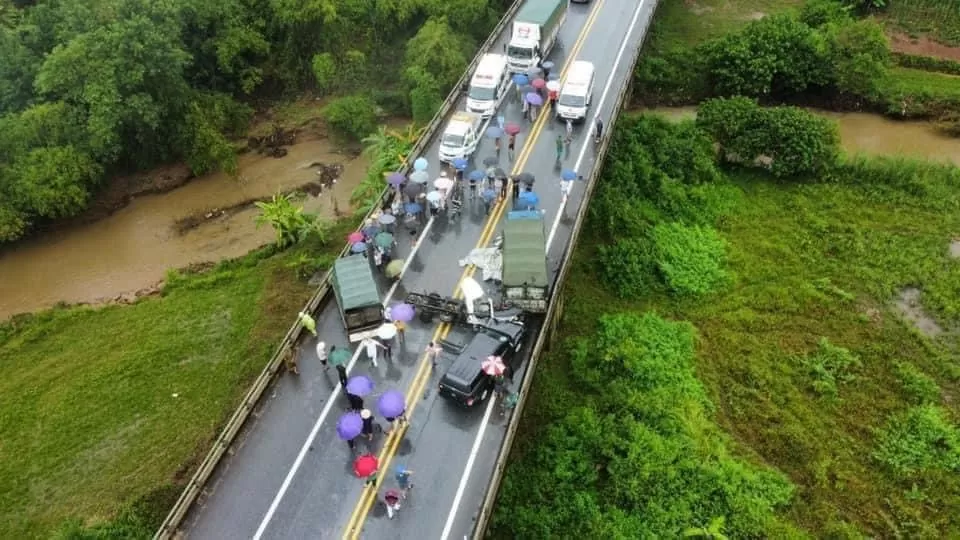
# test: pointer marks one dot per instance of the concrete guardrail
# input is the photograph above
(553, 310)
(195, 486)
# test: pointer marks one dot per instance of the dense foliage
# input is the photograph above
(89, 88)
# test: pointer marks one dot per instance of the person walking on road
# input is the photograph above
(387, 345)
(308, 322)
(569, 131)
(392, 499)
(400, 420)
(370, 345)
(511, 146)
(433, 352)
(367, 417)
(401, 331)
(559, 148)
(342, 375)
(322, 354)
(403, 480)
(598, 130)
(356, 402)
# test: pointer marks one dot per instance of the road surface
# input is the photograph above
(289, 476)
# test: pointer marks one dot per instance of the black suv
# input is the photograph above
(465, 382)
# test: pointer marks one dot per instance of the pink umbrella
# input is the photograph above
(355, 237)
(493, 365)
(365, 465)
(511, 129)
(538, 83)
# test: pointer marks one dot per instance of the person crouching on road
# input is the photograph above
(392, 499)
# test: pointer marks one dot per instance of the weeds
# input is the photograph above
(830, 366)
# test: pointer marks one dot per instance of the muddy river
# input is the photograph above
(133, 248)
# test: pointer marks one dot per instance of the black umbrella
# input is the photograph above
(498, 173)
(526, 178)
(412, 190)
(490, 161)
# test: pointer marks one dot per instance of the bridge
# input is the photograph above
(279, 470)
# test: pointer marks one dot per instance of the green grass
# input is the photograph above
(940, 19)
(811, 262)
(104, 406)
(918, 82)
(679, 22)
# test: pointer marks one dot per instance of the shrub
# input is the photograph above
(818, 13)
(860, 55)
(918, 440)
(926, 63)
(325, 72)
(690, 258)
(830, 365)
(920, 387)
(353, 117)
(627, 267)
(676, 76)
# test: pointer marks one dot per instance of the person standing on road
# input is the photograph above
(433, 352)
(401, 331)
(403, 480)
(356, 402)
(367, 417)
(511, 145)
(342, 375)
(392, 499)
(387, 345)
(322, 354)
(370, 345)
(598, 129)
(569, 131)
(308, 322)
(559, 148)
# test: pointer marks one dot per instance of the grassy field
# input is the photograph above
(940, 19)
(811, 262)
(104, 406)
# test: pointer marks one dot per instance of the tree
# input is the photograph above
(53, 182)
(712, 531)
(353, 117)
(435, 53)
(860, 55)
(325, 71)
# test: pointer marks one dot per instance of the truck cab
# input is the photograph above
(488, 85)
(525, 282)
(461, 136)
(358, 296)
(524, 47)
(535, 31)
(465, 382)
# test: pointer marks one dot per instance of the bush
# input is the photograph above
(920, 387)
(819, 13)
(325, 72)
(352, 117)
(690, 258)
(830, 365)
(673, 77)
(860, 55)
(919, 440)
(627, 267)
(926, 63)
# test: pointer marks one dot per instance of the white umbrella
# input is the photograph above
(387, 331)
(419, 177)
(553, 86)
(434, 196)
(443, 183)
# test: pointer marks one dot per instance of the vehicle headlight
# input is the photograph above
(536, 293)
(515, 292)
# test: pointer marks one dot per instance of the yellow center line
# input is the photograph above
(368, 496)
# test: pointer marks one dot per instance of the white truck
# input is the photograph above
(535, 31)
(488, 84)
(461, 136)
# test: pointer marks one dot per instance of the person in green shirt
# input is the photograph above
(307, 321)
(559, 147)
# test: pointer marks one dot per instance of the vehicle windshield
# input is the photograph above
(480, 93)
(524, 53)
(568, 100)
(453, 140)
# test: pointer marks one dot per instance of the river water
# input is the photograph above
(134, 247)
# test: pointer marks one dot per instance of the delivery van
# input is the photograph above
(488, 85)
(461, 136)
(576, 93)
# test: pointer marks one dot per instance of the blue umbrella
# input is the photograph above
(547, 65)
(494, 132)
(349, 426)
(534, 99)
(521, 79)
(358, 247)
(412, 208)
(359, 385)
(391, 404)
(488, 194)
(528, 198)
(420, 164)
(370, 231)
(568, 174)
(395, 179)
(460, 164)
(476, 175)
(553, 77)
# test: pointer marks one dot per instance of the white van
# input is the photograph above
(488, 85)
(576, 93)
(460, 137)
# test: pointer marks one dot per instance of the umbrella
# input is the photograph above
(434, 196)
(391, 404)
(387, 331)
(493, 365)
(511, 129)
(538, 83)
(494, 132)
(413, 190)
(526, 178)
(488, 194)
(553, 86)
(420, 177)
(420, 164)
(496, 172)
(370, 231)
(460, 164)
(443, 183)
(393, 268)
(547, 65)
(476, 175)
(359, 385)
(533, 72)
(355, 237)
(568, 174)
(534, 99)
(395, 179)
(365, 465)
(349, 426)
(402, 312)
(358, 247)
(490, 161)
(383, 240)
(339, 357)
(521, 79)
(412, 208)
(528, 198)
(387, 219)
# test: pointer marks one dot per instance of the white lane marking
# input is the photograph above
(486, 416)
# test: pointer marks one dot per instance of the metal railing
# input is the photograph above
(493, 488)
(195, 485)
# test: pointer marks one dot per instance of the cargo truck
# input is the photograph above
(358, 296)
(525, 279)
(535, 31)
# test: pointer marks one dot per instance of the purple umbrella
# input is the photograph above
(402, 312)
(391, 404)
(359, 385)
(534, 99)
(349, 426)
(395, 179)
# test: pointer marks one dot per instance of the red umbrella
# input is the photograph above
(355, 237)
(365, 465)
(511, 129)
(493, 365)
(538, 83)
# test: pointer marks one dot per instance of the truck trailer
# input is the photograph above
(525, 279)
